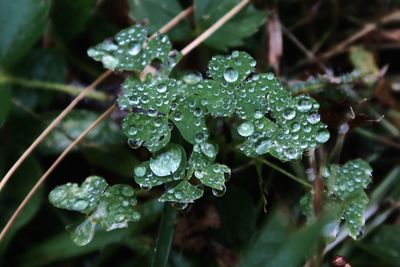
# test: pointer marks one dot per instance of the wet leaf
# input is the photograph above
(109, 207)
(131, 50)
(151, 132)
(344, 197)
(184, 192)
(166, 165)
(73, 125)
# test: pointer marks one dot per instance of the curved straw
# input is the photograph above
(82, 95)
(108, 112)
(52, 167)
(52, 125)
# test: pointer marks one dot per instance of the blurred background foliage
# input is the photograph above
(43, 64)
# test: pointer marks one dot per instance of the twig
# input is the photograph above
(368, 28)
(52, 125)
(279, 169)
(82, 95)
(68, 89)
(192, 45)
(214, 27)
(52, 167)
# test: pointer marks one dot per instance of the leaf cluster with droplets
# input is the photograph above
(344, 197)
(271, 121)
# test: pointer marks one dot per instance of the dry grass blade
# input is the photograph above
(214, 27)
(52, 167)
(184, 51)
(82, 95)
(51, 126)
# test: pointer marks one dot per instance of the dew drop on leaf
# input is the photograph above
(219, 193)
(135, 49)
(289, 114)
(166, 162)
(192, 77)
(313, 118)
(139, 171)
(80, 205)
(246, 129)
(231, 75)
(322, 136)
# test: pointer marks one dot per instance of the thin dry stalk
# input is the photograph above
(214, 27)
(108, 112)
(52, 125)
(82, 95)
(52, 167)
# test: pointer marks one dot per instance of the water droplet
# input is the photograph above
(258, 114)
(57, 195)
(208, 149)
(178, 195)
(127, 191)
(167, 162)
(246, 129)
(80, 205)
(134, 144)
(322, 136)
(295, 127)
(231, 75)
(289, 114)
(161, 88)
(263, 147)
(192, 77)
(270, 76)
(313, 118)
(304, 105)
(177, 116)
(135, 49)
(110, 62)
(219, 193)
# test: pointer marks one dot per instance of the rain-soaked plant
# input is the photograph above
(265, 115)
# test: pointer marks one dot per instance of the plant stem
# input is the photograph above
(279, 169)
(68, 89)
(165, 237)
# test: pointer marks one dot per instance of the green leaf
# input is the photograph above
(73, 125)
(151, 132)
(232, 33)
(63, 11)
(60, 247)
(109, 207)
(214, 176)
(5, 103)
(156, 14)
(190, 120)
(131, 50)
(22, 23)
(153, 96)
(184, 192)
(344, 197)
(167, 164)
(82, 198)
(265, 244)
(296, 125)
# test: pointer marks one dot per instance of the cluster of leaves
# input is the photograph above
(344, 197)
(272, 121)
(109, 207)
